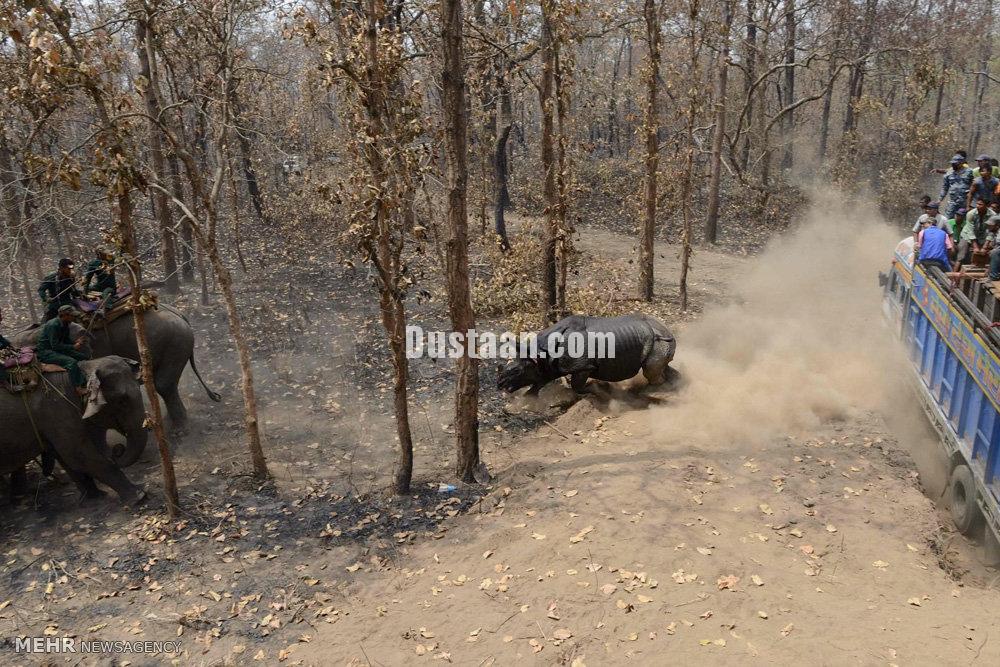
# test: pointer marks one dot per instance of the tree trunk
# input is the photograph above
(187, 236)
(250, 419)
(982, 83)
(652, 130)
(126, 235)
(147, 69)
(719, 134)
(824, 127)
(459, 297)
(694, 8)
(856, 84)
(548, 165)
(564, 238)
(9, 189)
(750, 75)
(788, 157)
(243, 138)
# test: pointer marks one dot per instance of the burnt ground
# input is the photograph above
(251, 570)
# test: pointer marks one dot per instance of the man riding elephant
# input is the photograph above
(171, 344)
(100, 277)
(55, 423)
(55, 346)
(59, 289)
(5, 346)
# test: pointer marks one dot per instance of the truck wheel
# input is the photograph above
(964, 511)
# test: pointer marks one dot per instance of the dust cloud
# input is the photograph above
(804, 344)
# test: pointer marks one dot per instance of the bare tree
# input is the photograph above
(459, 297)
(651, 128)
(719, 133)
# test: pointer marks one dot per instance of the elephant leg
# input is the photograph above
(85, 483)
(18, 483)
(48, 462)
(167, 389)
(88, 462)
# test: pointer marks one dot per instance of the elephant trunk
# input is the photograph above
(135, 444)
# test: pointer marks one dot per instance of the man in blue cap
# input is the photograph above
(955, 185)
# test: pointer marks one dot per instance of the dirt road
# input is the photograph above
(759, 512)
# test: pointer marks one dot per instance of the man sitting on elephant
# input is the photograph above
(101, 273)
(4, 346)
(55, 346)
(59, 289)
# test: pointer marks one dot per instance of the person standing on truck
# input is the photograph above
(992, 238)
(934, 248)
(957, 223)
(930, 216)
(973, 235)
(955, 185)
(984, 186)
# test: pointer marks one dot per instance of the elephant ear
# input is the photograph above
(136, 368)
(95, 395)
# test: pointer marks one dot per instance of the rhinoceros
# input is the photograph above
(639, 343)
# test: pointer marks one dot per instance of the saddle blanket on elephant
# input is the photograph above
(19, 370)
(117, 306)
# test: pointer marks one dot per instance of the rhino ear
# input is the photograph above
(95, 395)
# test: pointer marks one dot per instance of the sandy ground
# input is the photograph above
(762, 510)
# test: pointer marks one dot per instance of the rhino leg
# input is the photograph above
(578, 381)
(655, 366)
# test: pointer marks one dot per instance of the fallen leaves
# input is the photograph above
(757, 581)
(682, 577)
(576, 539)
(728, 582)
(766, 509)
(787, 630)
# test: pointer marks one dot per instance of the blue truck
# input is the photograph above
(948, 326)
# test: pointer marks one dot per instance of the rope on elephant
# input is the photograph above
(61, 394)
(31, 418)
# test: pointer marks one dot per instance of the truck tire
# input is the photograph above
(964, 511)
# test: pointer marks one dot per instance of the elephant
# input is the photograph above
(171, 344)
(53, 419)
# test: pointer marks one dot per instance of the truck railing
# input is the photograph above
(981, 324)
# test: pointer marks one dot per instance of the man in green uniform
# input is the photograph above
(101, 272)
(54, 346)
(5, 347)
(59, 289)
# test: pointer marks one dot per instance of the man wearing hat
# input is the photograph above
(55, 347)
(59, 289)
(992, 238)
(100, 277)
(984, 161)
(956, 223)
(930, 217)
(973, 234)
(955, 185)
